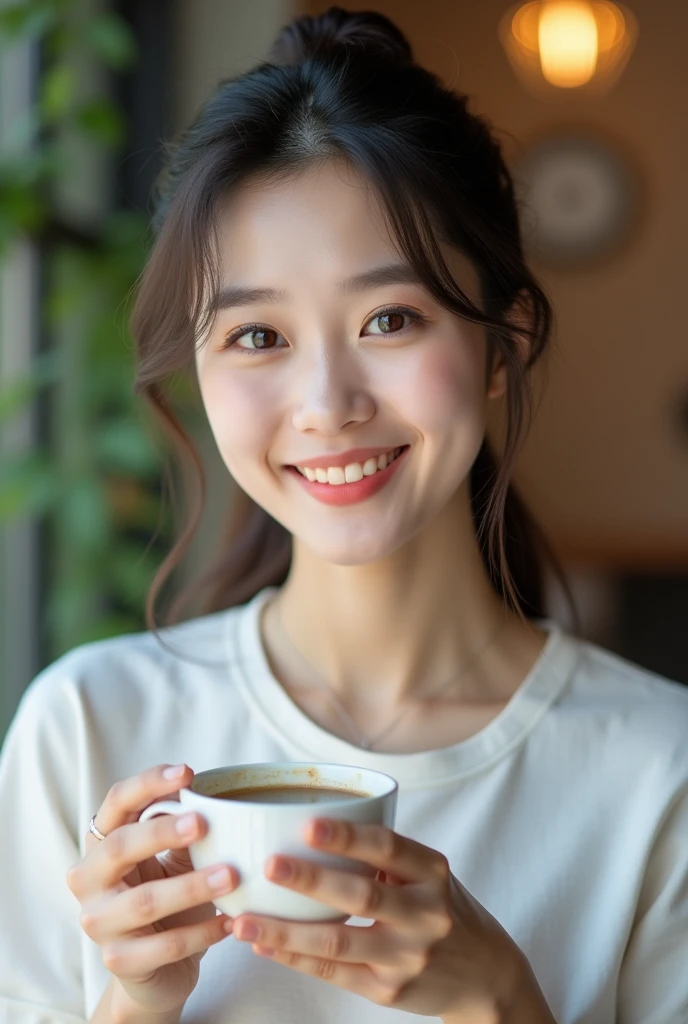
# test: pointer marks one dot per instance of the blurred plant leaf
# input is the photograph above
(45, 370)
(72, 609)
(22, 131)
(26, 20)
(130, 571)
(29, 485)
(132, 503)
(110, 625)
(96, 485)
(32, 168)
(57, 91)
(111, 39)
(122, 446)
(102, 121)
(84, 512)
(21, 207)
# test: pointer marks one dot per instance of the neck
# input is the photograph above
(408, 623)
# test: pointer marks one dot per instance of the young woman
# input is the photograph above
(338, 261)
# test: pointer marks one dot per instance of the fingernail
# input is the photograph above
(282, 870)
(174, 772)
(220, 879)
(265, 951)
(322, 832)
(228, 926)
(186, 825)
(249, 932)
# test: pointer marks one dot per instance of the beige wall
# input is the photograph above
(605, 467)
(215, 39)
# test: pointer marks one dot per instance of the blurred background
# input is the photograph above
(588, 100)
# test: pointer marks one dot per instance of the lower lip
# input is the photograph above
(349, 494)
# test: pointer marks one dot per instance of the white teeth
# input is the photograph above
(353, 473)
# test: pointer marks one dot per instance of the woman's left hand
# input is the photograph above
(433, 950)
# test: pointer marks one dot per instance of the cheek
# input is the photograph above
(240, 408)
(446, 389)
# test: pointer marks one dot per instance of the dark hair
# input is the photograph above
(344, 86)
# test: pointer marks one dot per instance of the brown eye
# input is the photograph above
(390, 322)
(256, 339)
(261, 339)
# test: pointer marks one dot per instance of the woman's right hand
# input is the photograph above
(152, 918)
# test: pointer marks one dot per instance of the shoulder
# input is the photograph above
(642, 715)
(125, 671)
(629, 686)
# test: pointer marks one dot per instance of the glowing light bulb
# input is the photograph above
(568, 42)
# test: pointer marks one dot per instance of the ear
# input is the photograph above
(520, 315)
(496, 381)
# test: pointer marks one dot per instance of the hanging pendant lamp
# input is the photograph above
(568, 44)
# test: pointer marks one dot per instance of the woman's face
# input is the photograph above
(322, 360)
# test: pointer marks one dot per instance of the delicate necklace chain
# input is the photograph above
(367, 742)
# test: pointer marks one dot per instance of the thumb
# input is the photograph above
(175, 862)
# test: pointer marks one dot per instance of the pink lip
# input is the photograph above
(349, 494)
(344, 458)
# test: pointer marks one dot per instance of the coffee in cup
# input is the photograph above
(289, 794)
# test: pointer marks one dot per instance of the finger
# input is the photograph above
(380, 847)
(340, 942)
(134, 958)
(144, 904)
(127, 798)
(126, 846)
(343, 890)
(389, 879)
(356, 978)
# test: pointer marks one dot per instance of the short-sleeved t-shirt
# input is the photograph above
(566, 817)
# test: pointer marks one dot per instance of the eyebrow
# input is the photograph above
(393, 273)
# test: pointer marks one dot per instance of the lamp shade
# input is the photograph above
(568, 44)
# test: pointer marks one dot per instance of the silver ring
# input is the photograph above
(92, 828)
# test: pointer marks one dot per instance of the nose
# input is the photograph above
(330, 395)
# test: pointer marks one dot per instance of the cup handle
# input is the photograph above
(162, 807)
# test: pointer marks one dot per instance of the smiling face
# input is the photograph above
(339, 366)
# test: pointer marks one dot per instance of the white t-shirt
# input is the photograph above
(566, 816)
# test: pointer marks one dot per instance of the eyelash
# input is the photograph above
(229, 342)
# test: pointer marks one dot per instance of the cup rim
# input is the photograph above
(392, 788)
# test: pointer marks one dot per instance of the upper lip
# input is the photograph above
(345, 458)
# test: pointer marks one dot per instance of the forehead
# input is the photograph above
(326, 216)
(304, 233)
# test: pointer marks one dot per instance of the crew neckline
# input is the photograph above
(306, 740)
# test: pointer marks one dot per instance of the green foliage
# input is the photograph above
(110, 39)
(27, 20)
(57, 92)
(102, 121)
(95, 483)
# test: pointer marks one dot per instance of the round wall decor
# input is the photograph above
(578, 196)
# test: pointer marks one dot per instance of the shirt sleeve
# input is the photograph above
(40, 935)
(653, 985)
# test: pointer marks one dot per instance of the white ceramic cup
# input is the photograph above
(245, 834)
